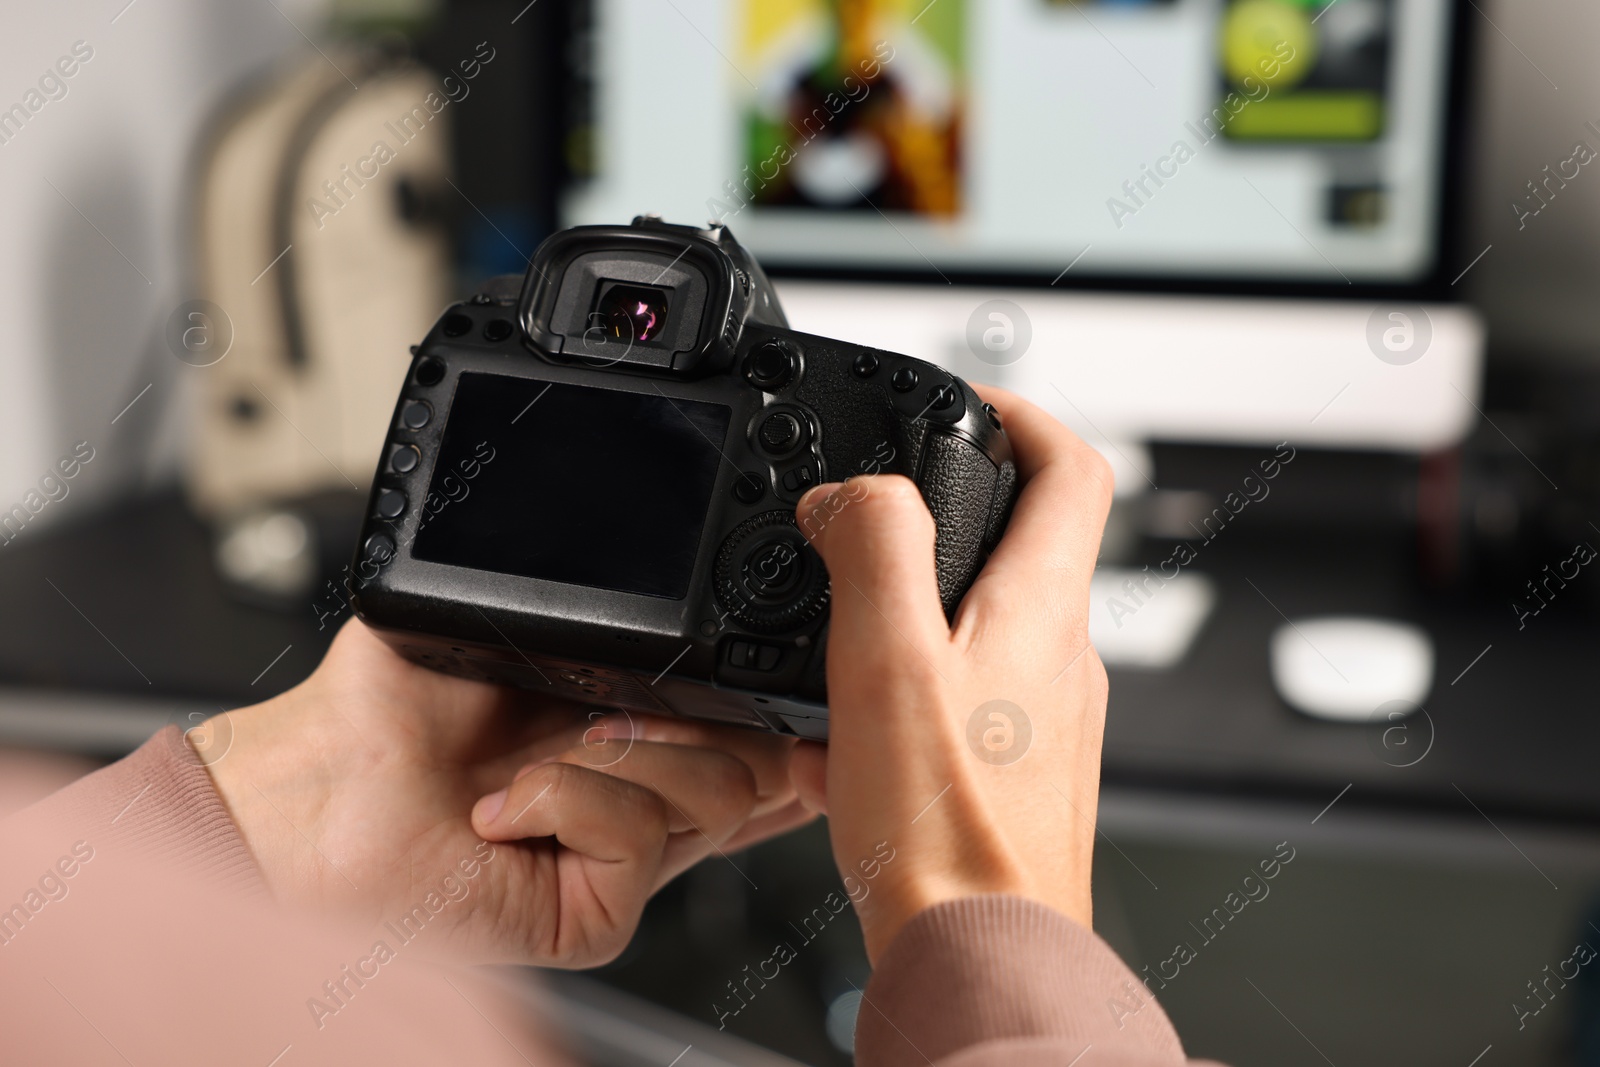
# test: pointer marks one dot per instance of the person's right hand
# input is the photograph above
(918, 754)
(377, 784)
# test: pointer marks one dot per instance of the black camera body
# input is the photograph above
(589, 488)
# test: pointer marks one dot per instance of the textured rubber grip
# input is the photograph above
(1005, 495)
(970, 501)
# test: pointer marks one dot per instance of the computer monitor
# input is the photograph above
(1199, 219)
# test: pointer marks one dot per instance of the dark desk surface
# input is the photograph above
(1518, 733)
(130, 603)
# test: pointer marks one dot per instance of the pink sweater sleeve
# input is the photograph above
(972, 983)
(135, 928)
(1000, 980)
(159, 804)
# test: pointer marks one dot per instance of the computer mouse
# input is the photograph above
(1346, 668)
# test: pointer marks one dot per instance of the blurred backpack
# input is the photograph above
(317, 235)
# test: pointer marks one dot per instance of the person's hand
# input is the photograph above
(965, 795)
(373, 782)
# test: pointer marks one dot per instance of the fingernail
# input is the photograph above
(490, 806)
(815, 496)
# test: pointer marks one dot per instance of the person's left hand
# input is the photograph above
(375, 780)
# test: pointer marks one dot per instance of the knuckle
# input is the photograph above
(724, 794)
(652, 817)
(549, 782)
(732, 783)
(1096, 474)
(893, 499)
(639, 818)
(893, 490)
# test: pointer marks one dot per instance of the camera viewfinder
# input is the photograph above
(632, 313)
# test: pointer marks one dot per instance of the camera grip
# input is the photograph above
(970, 499)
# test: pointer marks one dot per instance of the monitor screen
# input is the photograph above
(593, 487)
(1296, 141)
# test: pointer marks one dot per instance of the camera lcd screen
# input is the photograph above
(569, 483)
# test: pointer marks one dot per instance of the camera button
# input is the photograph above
(770, 367)
(457, 324)
(753, 656)
(749, 487)
(942, 397)
(904, 380)
(391, 503)
(415, 415)
(994, 416)
(799, 479)
(781, 432)
(404, 459)
(497, 330)
(429, 372)
(866, 365)
(774, 569)
(379, 548)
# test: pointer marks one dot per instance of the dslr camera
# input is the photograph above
(589, 483)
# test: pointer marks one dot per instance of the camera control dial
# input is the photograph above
(768, 577)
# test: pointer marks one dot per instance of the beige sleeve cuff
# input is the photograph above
(1000, 974)
(157, 802)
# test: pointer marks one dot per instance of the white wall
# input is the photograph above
(82, 325)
